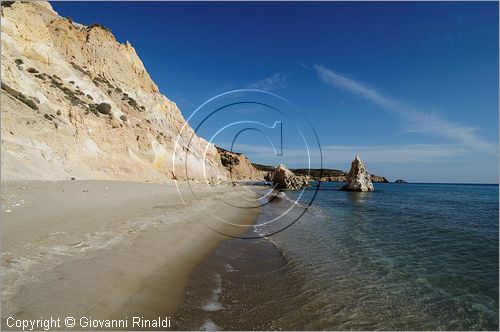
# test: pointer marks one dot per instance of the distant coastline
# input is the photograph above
(336, 175)
(323, 175)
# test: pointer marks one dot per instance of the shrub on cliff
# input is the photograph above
(30, 103)
(132, 102)
(104, 108)
(19, 96)
(97, 25)
(80, 69)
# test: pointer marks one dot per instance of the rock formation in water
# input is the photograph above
(358, 178)
(283, 178)
(323, 175)
(400, 181)
(77, 103)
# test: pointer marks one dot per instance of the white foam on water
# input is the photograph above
(229, 268)
(208, 325)
(214, 304)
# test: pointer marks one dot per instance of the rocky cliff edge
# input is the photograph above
(78, 103)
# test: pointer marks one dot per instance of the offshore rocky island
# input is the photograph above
(358, 178)
(323, 175)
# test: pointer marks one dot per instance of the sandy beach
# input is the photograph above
(108, 249)
(249, 166)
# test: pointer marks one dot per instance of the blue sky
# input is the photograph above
(411, 87)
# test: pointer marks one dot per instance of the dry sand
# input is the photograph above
(108, 249)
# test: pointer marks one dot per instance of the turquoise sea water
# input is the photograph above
(407, 256)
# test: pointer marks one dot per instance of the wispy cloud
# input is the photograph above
(304, 65)
(394, 154)
(272, 83)
(333, 154)
(419, 121)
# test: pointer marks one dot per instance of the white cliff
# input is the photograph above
(77, 103)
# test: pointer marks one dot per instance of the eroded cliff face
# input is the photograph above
(239, 166)
(77, 103)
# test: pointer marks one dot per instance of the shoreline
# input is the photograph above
(344, 267)
(236, 287)
(95, 248)
(227, 289)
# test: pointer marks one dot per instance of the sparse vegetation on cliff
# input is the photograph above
(76, 76)
(7, 4)
(104, 108)
(19, 96)
(97, 25)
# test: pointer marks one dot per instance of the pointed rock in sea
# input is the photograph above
(358, 178)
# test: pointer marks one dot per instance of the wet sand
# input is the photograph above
(238, 286)
(109, 249)
(244, 283)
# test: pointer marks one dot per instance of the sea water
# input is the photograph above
(407, 256)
